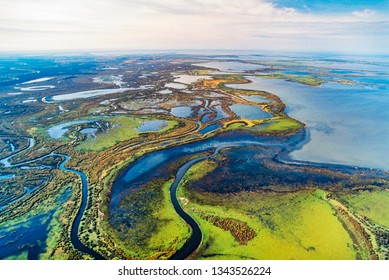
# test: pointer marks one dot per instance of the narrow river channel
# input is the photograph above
(84, 197)
(84, 200)
(145, 168)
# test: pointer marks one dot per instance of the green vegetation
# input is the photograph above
(172, 232)
(299, 225)
(53, 216)
(147, 225)
(282, 125)
(290, 226)
(124, 128)
(200, 169)
(22, 256)
(203, 71)
(373, 205)
(279, 125)
(306, 80)
(236, 126)
(116, 129)
(283, 222)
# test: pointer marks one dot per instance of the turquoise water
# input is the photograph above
(6, 176)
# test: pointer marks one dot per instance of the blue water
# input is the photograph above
(154, 125)
(59, 130)
(181, 111)
(255, 98)
(346, 124)
(210, 128)
(231, 66)
(206, 118)
(156, 164)
(24, 236)
(89, 130)
(250, 112)
(220, 113)
(16, 70)
(6, 176)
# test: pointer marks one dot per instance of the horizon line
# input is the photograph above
(182, 51)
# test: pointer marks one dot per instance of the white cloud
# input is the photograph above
(366, 13)
(153, 24)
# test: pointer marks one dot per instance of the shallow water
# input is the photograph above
(210, 128)
(58, 131)
(114, 80)
(255, 98)
(6, 176)
(89, 93)
(231, 66)
(89, 130)
(165, 91)
(249, 112)
(220, 113)
(181, 111)
(154, 125)
(35, 88)
(176, 86)
(188, 79)
(29, 236)
(346, 124)
(156, 163)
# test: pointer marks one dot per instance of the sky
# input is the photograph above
(265, 25)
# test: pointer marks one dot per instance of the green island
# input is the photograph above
(305, 80)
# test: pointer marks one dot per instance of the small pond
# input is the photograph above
(181, 111)
(154, 125)
(249, 112)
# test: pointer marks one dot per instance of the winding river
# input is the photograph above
(149, 166)
(194, 241)
(5, 161)
(76, 223)
(155, 164)
(84, 197)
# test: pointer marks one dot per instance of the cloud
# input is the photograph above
(366, 13)
(179, 24)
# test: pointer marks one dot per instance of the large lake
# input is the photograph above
(347, 124)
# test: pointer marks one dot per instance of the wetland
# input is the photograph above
(186, 157)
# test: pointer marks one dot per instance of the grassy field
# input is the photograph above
(373, 205)
(200, 169)
(149, 227)
(281, 125)
(203, 71)
(300, 225)
(124, 129)
(273, 126)
(172, 232)
(308, 80)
